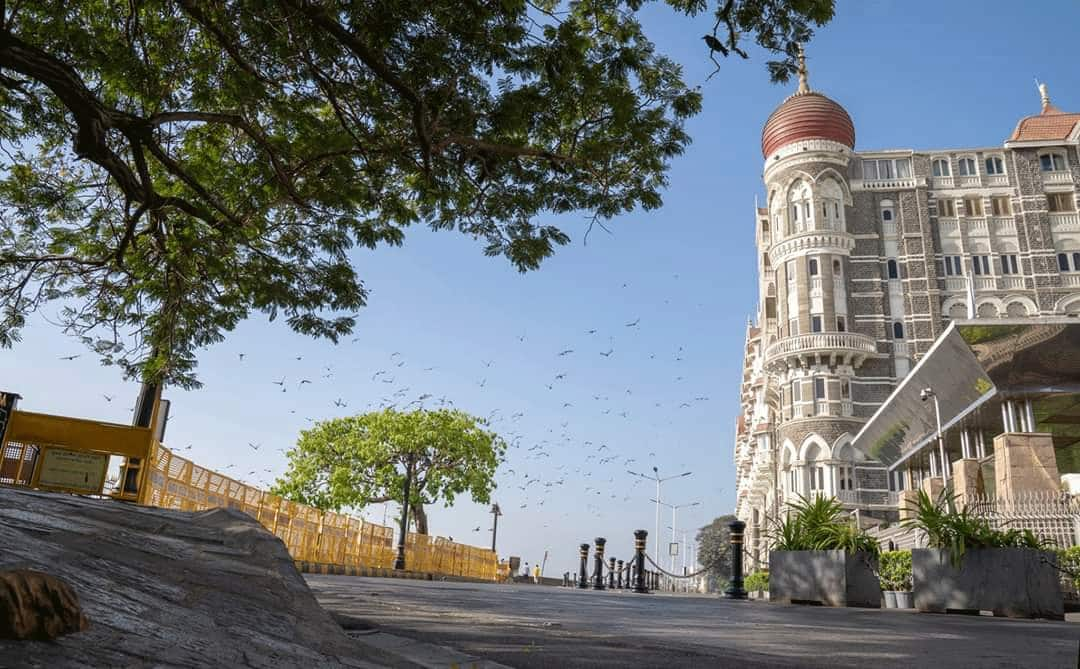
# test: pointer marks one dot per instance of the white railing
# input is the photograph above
(1061, 177)
(970, 181)
(875, 497)
(815, 286)
(997, 180)
(838, 293)
(884, 184)
(902, 349)
(766, 238)
(1065, 222)
(847, 408)
(985, 283)
(948, 226)
(955, 283)
(1052, 516)
(942, 182)
(1003, 225)
(888, 229)
(822, 341)
(1009, 282)
(1070, 279)
(976, 226)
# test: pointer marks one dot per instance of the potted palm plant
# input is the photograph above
(895, 576)
(820, 556)
(971, 566)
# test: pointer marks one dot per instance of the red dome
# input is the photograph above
(806, 115)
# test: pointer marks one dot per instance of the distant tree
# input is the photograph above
(714, 549)
(347, 463)
(171, 167)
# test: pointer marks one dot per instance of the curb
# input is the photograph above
(324, 569)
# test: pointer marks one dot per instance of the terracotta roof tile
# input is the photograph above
(1050, 125)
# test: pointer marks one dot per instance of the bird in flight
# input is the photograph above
(482, 383)
(590, 332)
(428, 369)
(71, 357)
(340, 403)
(488, 363)
(108, 398)
(684, 405)
(394, 354)
(607, 353)
(634, 324)
(566, 405)
(280, 383)
(254, 447)
(299, 357)
(566, 352)
(242, 357)
(302, 382)
(560, 376)
(378, 374)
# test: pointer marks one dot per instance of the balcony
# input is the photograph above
(970, 180)
(985, 283)
(820, 347)
(1064, 222)
(1059, 177)
(905, 183)
(902, 349)
(888, 229)
(976, 226)
(948, 226)
(889, 498)
(957, 284)
(833, 242)
(997, 180)
(816, 289)
(1003, 225)
(1012, 282)
(942, 182)
(1070, 280)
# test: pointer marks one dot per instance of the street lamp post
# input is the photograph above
(674, 508)
(928, 393)
(656, 477)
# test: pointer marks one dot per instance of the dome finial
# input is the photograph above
(1044, 93)
(804, 85)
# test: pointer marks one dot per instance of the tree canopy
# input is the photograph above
(171, 167)
(347, 463)
(714, 549)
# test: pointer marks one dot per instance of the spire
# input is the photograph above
(804, 85)
(1044, 95)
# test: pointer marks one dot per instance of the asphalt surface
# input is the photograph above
(536, 626)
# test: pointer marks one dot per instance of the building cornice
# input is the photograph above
(816, 241)
(806, 151)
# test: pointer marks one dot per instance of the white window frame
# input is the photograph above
(954, 265)
(950, 204)
(998, 163)
(995, 199)
(1070, 198)
(893, 166)
(1059, 162)
(936, 171)
(1009, 264)
(961, 164)
(980, 264)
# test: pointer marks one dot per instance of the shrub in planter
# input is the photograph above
(895, 576)
(757, 582)
(1068, 561)
(820, 556)
(969, 565)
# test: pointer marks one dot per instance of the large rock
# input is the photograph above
(166, 588)
(37, 606)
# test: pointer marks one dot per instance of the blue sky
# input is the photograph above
(911, 74)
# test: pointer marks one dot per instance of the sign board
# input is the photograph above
(73, 471)
(673, 548)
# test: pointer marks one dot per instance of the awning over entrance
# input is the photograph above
(972, 367)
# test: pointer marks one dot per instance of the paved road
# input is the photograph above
(535, 626)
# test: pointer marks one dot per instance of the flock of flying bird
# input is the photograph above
(534, 469)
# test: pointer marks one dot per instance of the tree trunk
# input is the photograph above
(421, 518)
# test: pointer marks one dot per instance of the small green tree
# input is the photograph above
(714, 549)
(346, 463)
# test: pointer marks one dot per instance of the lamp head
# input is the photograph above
(926, 393)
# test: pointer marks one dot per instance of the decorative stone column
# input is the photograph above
(967, 480)
(1025, 462)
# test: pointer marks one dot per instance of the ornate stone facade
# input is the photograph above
(863, 258)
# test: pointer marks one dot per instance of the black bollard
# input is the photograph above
(611, 574)
(618, 578)
(583, 577)
(735, 590)
(598, 556)
(640, 536)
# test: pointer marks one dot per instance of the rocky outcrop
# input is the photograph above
(166, 588)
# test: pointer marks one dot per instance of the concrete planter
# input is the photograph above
(831, 578)
(890, 598)
(904, 599)
(759, 594)
(1013, 582)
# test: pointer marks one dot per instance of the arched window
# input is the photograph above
(987, 310)
(1052, 162)
(897, 330)
(941, 168)
(994, 165)
(958, 311)
(832, 197)
(893, 269)
(845, 472)
(886, 215)
(837, 268)
(802, 213)
(814, 469)
(1016, 310)
(967, 167)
